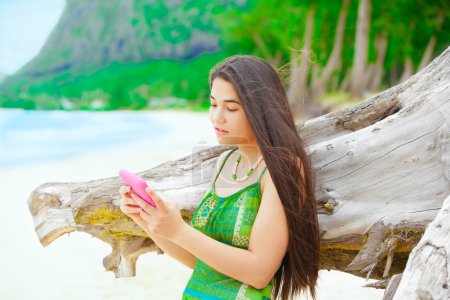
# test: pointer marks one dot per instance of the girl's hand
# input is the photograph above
(164, 220)
(129, 207)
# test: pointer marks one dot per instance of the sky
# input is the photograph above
(24, 28)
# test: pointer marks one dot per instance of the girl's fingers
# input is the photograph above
(138, 219)
(128, 201)
(124, 189)
(144, 205)
(130, 206)
(130, 210)
(146, 218)
(160, 204)
(126, 196)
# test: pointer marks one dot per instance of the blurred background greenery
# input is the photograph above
(141, 54)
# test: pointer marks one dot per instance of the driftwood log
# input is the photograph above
(383, 171)
(427, 272)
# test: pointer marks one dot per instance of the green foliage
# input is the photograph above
(408, 25)
(123, 86)
(158, 83)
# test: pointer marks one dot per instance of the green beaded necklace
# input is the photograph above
(249, 172)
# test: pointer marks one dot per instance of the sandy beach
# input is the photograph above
(71, 267)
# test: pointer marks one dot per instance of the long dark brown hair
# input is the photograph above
(265, 104)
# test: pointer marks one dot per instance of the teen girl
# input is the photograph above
(255, 234)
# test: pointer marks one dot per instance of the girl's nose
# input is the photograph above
(218, 116)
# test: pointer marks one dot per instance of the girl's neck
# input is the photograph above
(250, 153)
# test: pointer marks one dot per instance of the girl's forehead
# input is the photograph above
(221, 83)
(223, 90)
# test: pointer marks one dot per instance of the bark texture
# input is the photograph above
(383, 173)
(427, 272)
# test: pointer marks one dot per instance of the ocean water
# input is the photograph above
(28, 136)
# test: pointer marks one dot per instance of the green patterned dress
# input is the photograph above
(228, 220)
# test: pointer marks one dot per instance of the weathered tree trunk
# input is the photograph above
(334, 61)
(361, 45)
(428, 54)
(408, 69)
(426, 275)
(273, 60)
(382, 169)
(381, 42)
(298, 92)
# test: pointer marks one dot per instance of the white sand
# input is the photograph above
(71, 267)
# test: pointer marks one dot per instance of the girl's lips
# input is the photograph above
(220, 132)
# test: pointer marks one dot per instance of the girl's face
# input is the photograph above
(226, 113)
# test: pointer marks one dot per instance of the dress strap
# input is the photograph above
(262, 173)
(223, 163)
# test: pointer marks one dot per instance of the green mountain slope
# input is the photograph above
(120, 54)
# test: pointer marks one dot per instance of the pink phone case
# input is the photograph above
(137, 185)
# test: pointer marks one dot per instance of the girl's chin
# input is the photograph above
(224, 141)
(228, 140)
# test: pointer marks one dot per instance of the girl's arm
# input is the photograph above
(169, 247)
(172, 249)
(268, 244)
(128, 206)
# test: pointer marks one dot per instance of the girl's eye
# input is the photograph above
(214, 105)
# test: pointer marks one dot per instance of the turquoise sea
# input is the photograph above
(28, 136)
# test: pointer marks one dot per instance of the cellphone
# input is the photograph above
(137, 185)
